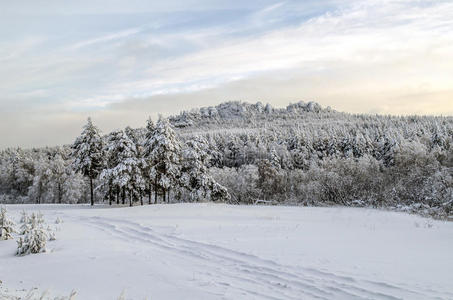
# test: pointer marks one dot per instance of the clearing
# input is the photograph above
(217, 251)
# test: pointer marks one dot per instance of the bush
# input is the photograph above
(6, 226)
(35, 236)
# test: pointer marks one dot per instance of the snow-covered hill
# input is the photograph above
(242, 114)
(217, 251)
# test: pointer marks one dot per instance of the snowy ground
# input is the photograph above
(215, 251)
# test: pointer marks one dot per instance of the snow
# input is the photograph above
(217, 251)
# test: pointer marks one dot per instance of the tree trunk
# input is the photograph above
(38, 199)
(117, 196)
(168, 196)
(149, 193)
(59, 193)
(155, 191)
(130, 198)
(110, 196)
(123, 196)
(91, 191)
(163, 195)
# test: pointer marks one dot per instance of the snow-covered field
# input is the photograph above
(216, 251)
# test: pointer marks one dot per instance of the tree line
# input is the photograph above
(247, 153)
(131, 166)
(122, 166)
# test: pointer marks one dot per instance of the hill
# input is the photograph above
(302, 154)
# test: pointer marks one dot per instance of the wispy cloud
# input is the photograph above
(106, 38)
(361, 35)
(383, 51)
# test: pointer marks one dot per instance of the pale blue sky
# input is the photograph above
(120, 61)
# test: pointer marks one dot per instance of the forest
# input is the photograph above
(238, 152)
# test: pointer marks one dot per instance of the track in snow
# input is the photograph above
(240, 274)
(235, 252)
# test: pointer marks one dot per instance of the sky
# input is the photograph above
(123, 61)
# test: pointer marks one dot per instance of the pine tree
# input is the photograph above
(88, 155)
(148, 158)
(111, 161)
(6, 225)
(34, 241)
(25, 221)
(139, 179)
(35, 235)
(194, 173)
(163, 154)
(125, 166)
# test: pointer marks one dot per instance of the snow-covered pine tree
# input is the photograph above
(41, 189)
(25, 221)
(36, 219)
(139, 182)
(35, 235)
(134, 135)
(275, 159)
(195, 176)
(58, 177)
(6, 225)
(148, 159)
(125, 172)
(16, 172)
(35, 238)
(218, 192)
(87, 154)
(73, 186)
(164, 156)
(111, 161)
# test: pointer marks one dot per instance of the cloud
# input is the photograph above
(353, 93)
(366, 56)
(361, 35)
(106, 38)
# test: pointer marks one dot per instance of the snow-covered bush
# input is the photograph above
(25, 223)
(24, 217)
(35, 235)
(241, 184)
(51, 234)
(6, 225)
(33, 242)
(36, 218)
(32, 294)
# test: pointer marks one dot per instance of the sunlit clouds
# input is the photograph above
(60, 65)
